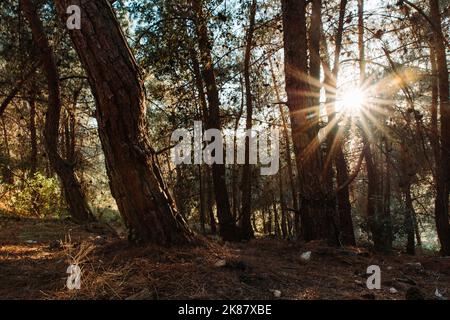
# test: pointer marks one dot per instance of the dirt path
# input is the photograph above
(34, 256)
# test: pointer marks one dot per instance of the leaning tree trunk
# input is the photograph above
(443, 168)
(135, 178)
(73, 192)
(317, 203)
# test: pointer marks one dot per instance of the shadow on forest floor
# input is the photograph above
(35, 254)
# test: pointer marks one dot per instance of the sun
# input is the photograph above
(353, 100)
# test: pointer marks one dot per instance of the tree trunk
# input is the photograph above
(287, 154)
(74, 195)
(443, 168)
(228, 229)
(201, 200)
(209, 202)
(375, 190)
(33, 136)
(135, 178)
(405, 184)
(284, 229)
(317, 205)
(336, 153)
(276, 219)
(245, 224)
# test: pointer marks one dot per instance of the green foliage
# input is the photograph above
(38, 196)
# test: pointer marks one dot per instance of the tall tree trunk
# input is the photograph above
(135, 177)
(375, 190)
(287, 154)
(317, 205)
(247, 231)
(228, 229)
(335, 140)
(443, 168)
(386, 218)
(74, 195)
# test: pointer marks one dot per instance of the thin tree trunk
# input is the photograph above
(209, 202)
(335, 140)
(405, 183)
(288, 154)
(202, 202)
(284, 230)
(374, 193)
(74, 195)
(133, 169)
(245, 224)
(33, 136)
(276, 220)
(228, 229)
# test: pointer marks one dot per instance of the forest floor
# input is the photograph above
(35, 254)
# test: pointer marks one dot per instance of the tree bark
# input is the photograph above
(317, 203)
(135, 178)
(375, 190)
(443, 170)
(336, 153)
(228, 229)
(245, 223)
(76, 199)
(292, 181)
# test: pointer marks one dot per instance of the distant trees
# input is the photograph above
(75, 197)
(361, 173)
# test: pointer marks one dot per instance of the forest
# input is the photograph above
(224, 149)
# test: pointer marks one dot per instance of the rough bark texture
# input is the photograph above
(317, 204)
(443, 169)
(135, 178)
(74, 195)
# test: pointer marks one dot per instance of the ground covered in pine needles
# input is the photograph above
(35, 254)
